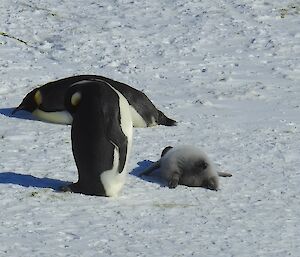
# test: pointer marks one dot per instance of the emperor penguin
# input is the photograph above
(101, 137)
(187, 165)
(46, 102)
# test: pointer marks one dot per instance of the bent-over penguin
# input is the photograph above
(187, 165)
(47, 102)
(101, 137)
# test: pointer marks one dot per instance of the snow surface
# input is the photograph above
(227, 70)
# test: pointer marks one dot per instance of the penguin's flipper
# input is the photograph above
(150, 169)
(118, 139)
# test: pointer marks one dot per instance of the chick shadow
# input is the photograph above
(18, 115)
(152, 178)
(31, 181)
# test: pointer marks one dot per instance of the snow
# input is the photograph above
(228, 71)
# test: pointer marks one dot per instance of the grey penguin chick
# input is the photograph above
(187, 165)
(47, 102)
(101, 137)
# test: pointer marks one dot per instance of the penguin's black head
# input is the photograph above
(30, 102)
(80, 92)
(73, 98)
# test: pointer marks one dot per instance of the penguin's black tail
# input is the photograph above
(164, 120)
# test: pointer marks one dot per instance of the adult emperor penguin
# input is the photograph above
(187, 165)
(47, 102)
(101, 137)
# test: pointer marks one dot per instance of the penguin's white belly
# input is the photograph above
(62, 117)
(112, 180)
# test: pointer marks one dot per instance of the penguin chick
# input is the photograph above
(187, 165)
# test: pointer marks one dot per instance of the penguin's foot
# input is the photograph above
(73, 187)
(77, 188)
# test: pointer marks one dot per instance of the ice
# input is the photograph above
(227, 71)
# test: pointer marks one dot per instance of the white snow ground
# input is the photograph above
(227, 70)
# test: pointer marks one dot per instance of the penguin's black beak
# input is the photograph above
(28, 103)
(19, 108)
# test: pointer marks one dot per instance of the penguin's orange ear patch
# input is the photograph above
(38, 97)
(75, 99)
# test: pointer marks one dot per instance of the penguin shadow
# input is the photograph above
(18, 115)
(153, 178)
(30, 181)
